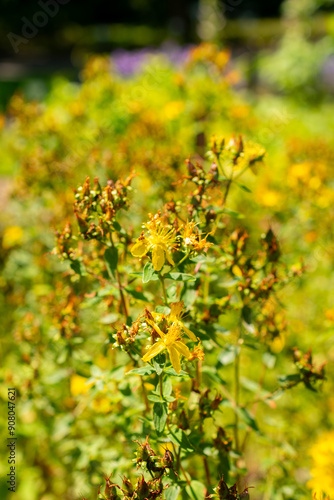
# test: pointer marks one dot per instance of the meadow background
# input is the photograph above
(100, 91)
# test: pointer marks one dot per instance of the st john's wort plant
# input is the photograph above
(200, 302)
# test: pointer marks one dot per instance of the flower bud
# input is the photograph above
(127, 485)
(142, 489)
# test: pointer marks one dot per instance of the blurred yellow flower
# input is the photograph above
(329, 314)
(278, 343)
(78, 385)
(322, 469)
(101, 404)
(173, 109)
(270, 198)
(12, 236)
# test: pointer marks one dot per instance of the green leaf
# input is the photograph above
(171, 371)
(247, 418)
(286, 380)
(160, 414)
(172, 492)
(233, 213)
(149, 274)
(242, 186)
(167, 387)
(172, 293)
(229, 284)
(144, 370)
(162, 310)
(78, 267)
(154, 399)
(227, 356)
(159, 362)
(211, 372)
(246, 314)
(269, 360)
(188, 296)
(251, 385)
(196, 490)
(109, 318)
(179, 437)
(169, 399)
(180, 277)
(136, 295)
(111, 258)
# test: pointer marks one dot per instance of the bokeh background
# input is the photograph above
(62, 43)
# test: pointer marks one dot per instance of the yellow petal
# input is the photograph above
(158, 257)
(79, 385)
(176, 309)
(156, 349)
(182, 348)
(140, 248)
(156, 328)
(189, 333)
(169, 258)
(175, 359)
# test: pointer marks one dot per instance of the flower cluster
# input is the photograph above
(96, 208)
(308, 372)
(161, 239)
(223, 491)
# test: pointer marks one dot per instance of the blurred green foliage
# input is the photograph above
(77, 413)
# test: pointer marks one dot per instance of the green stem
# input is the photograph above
(120, 286)
(255, 405)
(163, 286)
(161, 377)
(236, 399)
(237, 391)
(180, 262)
(228, 185)
(240, 173)
(229, 182)
(146, 401)
(123, 300)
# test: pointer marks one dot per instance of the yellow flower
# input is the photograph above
(173, 109)
(78, 385)
(12, 236)
(101, 404)
(160, 239)
(197, 353)
(176, 313)
(322, 470)
(170, 341)
(194, 239)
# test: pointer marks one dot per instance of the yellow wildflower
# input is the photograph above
(170, 341)
(101, 404)
(79, 385)
(12, 236)
(194, 239)
(173, 109)
(160, 239)
(176, 313)
(197, 353)
(322, 470)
